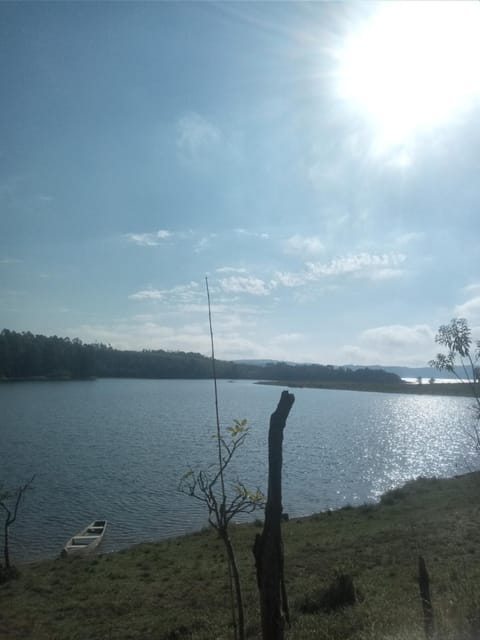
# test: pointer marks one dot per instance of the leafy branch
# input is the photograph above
(203, 485)
(457, 338)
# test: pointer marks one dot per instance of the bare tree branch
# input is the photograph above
(11, 513)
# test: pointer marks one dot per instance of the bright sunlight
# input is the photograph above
(413, 66)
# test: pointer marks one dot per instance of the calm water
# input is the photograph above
(116, 449)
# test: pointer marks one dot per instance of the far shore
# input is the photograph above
(437, 389)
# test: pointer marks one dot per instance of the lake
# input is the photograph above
(116, 449)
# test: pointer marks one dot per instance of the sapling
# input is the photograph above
(209, 487)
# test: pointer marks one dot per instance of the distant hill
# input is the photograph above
(414, 372)
(402, 372)
(28, 356)
(265, 363)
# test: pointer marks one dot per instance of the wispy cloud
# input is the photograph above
(204, 243)
(10, 261)
(246, 284)
(179, 294)
(147, 294)
(231, 270)
(298, 244)
(408, 238)
(45, 199)
(196, 136)
(291, 279)
(354, 264)
(251, 234)
(148, 239)
(366, 265)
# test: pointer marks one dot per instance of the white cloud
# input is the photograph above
(399, 336)
(231, 340)
(298, 244)
(204, 242)
(364, 265)
(386, 274)
(472, 289)
(134, 334)
(248, 284)
(252, 234)
(360, 263)
(393, 345)
(195, 136)
(147, 294)
(287, 338)
(179, 294)
(231, 270)
(400, 157)
(148, 239)
(291, 279)
(469, 310)
(409, 238)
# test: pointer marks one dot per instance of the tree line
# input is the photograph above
(28, 356)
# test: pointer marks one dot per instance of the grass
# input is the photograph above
(178, 589)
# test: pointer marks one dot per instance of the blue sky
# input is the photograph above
(319, 162)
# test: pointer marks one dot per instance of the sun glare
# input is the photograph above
(412, 67)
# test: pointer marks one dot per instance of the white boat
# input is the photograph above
(87, 540)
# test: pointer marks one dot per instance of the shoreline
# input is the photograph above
(170, 539)
(176, 588)
(437, 389)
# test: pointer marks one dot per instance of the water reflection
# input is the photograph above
(117, 448)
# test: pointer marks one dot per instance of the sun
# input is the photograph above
(412, 66)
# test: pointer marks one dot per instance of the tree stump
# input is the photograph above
(268, 546)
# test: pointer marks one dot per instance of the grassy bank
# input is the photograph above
(177, 589)
(437, 389)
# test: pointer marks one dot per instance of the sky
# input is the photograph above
(318, 162)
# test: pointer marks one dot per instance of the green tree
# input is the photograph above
(463, 355)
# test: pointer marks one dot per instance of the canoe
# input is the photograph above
(87, 540)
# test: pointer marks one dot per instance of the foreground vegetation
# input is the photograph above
(177, 589)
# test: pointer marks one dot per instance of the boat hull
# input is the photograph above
(86, 541)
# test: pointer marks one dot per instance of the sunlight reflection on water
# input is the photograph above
(117, 449)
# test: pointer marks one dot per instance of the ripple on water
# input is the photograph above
(117, 449)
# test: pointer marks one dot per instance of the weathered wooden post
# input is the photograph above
(268, 547)
(424, 585)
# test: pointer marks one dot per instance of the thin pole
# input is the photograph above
(223, 521)
(217, 416)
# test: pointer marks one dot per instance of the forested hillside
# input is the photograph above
(26, 356)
